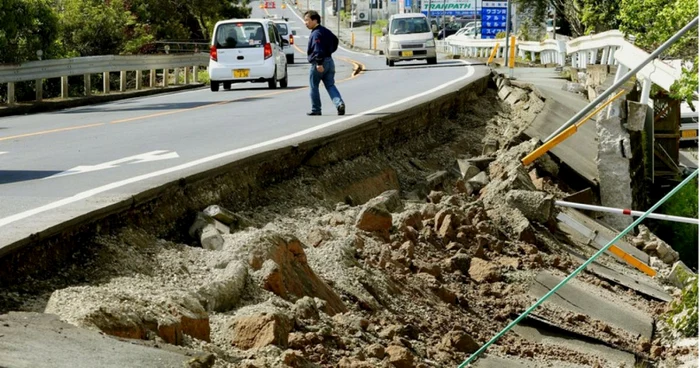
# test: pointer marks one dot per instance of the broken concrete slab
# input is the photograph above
(535, 205)
(504, 92)
(43, 341)
(578, 298)
(466, 169)
(641, 283)
(501, 362)
(681, 275)
(600, 234)
(547, 336)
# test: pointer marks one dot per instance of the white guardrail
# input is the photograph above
(608, 48)
(63, 68)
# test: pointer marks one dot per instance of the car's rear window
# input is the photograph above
(282, 28)
(240, 35)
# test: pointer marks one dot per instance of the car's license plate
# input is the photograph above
(241, 73)
(406, 53)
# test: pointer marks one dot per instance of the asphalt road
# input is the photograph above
(58, 165)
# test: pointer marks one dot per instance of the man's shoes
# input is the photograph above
(341, 109)
(313, 113)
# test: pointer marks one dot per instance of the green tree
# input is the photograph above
(579, 17)
(652, 22)
(93, 27)
(25, 27)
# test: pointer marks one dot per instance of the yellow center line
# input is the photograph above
(50, 131)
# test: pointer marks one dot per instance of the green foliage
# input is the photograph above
(652, 22)
(681, 236)
(600, 15)
(500, 35)
(683, 313)
(93, 27)
(377, 27)
(686, 87)
(203, 76)
(25, 27)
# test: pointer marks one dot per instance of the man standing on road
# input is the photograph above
(322, 43)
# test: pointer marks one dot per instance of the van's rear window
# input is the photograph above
(240, 35)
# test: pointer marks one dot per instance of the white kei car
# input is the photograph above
(285, 30)
(247, 50)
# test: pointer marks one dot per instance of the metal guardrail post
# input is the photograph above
(176, 76)
(624, 78)
(152, 78)
(122, 81)
(64, 87)
(39, 85)
(165, 77)
(10, 93)
(88, 84)
(139, 77)
(195, 73)
(105, 82)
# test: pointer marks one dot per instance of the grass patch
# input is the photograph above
(377, 27)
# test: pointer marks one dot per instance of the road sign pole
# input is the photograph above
(507, 31)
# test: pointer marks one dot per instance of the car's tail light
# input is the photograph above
(291, 40)
(268, 51)
(213, 54)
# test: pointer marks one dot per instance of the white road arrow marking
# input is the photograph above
(136, 159)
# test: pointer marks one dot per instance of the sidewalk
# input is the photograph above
(363, 41)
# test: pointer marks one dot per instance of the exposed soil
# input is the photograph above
(419, 277)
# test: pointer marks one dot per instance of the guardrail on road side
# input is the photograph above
(63, 68)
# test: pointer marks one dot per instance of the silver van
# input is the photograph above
(409, 37)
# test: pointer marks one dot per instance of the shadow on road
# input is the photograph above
(14, 176)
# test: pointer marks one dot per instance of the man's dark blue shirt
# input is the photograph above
(322, 43)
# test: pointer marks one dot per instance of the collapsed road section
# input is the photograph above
(406, 243)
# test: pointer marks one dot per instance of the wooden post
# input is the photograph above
(11, 93)
(122, 81)
(152, 78)
(139, 76)
(64, 87)
(105, 82)
(88, 84)
(39, 90)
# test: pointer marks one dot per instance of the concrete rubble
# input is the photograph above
(431, 265)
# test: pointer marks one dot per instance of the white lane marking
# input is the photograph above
(92, 192)
(2, 153)
(135, 159)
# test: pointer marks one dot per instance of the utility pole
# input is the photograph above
(554, 25)
(507, 32)
(430, 5)
(370, 24)
(323, 11)
(337, 14)
(475, 19)
(444, 31)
